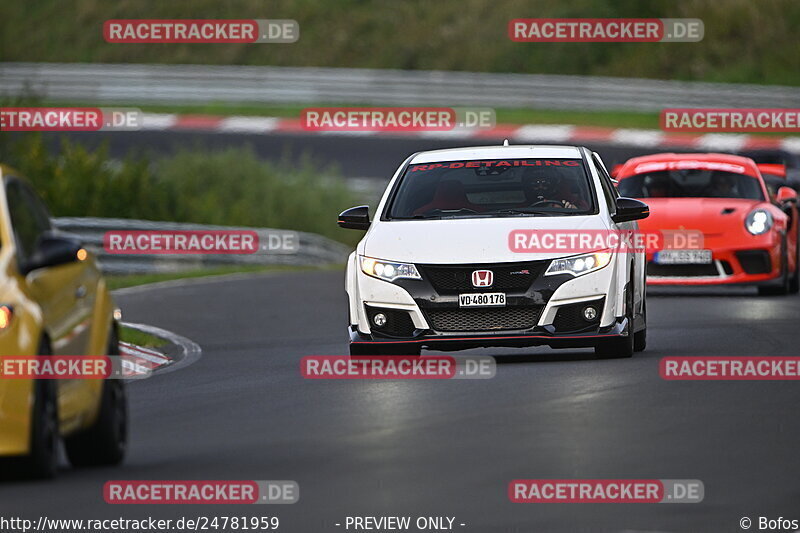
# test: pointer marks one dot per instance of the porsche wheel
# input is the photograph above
(785, 281)
(794, 284)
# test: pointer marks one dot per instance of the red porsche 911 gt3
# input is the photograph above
(749, 237)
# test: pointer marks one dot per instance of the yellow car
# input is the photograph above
(53, 301)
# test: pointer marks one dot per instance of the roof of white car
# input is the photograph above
(528, 151)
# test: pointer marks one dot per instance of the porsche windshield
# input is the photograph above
(691, 183)
(493, 188)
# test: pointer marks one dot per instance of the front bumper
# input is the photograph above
(544, 310)
(745, 265)
(540, 336)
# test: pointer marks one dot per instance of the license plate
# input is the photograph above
(683, 257)
(482, 299)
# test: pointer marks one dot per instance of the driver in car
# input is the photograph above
(551, 191)
(721, 187)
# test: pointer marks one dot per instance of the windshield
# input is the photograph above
(493, 188)
(691, 183)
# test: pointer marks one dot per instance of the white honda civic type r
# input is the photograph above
(436, 268)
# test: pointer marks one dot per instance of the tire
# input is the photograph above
(785, 286)
(399, 348)
(619, 347)
(105, 442)
(42, 460)
(640, 337)
(794, 284)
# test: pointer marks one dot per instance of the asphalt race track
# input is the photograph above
(354, 156)
(448, 448)
(440, 448)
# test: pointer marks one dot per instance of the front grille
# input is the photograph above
(398, 323)
(682, 271)
(453, 279)
(485, 319)
(570, 317)
(755, 261)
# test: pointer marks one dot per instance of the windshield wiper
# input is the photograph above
(418, 217)
(522, 212)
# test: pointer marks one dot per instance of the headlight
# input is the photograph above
(579, 265)
(759, 221)
(387, 270)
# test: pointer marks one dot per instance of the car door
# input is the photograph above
(65, 292)
(611, 194)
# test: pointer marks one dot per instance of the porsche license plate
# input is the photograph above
(683, 257)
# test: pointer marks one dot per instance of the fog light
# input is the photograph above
(379, 319)
(589, 313)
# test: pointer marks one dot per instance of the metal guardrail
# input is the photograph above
(312, 249)
(165, 84)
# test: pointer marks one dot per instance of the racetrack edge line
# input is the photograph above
(191, 350)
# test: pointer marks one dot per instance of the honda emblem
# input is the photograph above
(482, 278)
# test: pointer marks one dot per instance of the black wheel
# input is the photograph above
(397, 348)
(105, 442)
(785, 281)
(619, 347)
(640, 337)
(794, 284)
(42, 461)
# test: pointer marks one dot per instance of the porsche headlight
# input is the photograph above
(759, 221)
(387, 270)
(579, 265)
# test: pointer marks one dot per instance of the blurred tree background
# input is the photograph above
(745, 41)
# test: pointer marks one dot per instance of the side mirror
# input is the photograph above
(354, 218)
(629, 209)
(52, 250)
(786, 195)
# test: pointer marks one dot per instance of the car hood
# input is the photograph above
(464, 240)
(709, 215)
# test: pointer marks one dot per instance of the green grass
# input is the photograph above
(228, 187)
(613, 119)
(607, 119)
(745, 41)
(132, 280)
(139, 338)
